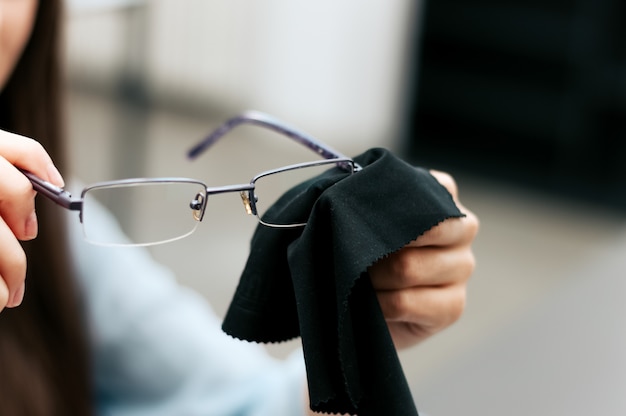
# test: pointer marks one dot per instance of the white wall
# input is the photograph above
(332, 68)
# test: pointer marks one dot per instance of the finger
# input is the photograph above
(17, 202)
(447, 181)
(28, 154)
(451, 232)
(431, 309)
(426, 266)
(12, 265)
(4, 294)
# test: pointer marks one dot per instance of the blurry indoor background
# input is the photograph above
(523, 102)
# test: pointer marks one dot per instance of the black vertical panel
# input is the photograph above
(531, 91)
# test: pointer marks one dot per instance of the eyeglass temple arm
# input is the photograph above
(58, 195)
(264, 120)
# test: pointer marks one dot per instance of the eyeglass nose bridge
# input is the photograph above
(246, 192)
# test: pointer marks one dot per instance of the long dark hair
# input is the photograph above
(44, 363)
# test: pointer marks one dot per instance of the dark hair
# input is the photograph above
(44, 363)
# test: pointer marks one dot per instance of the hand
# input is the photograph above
(422, 288)
(17, 209)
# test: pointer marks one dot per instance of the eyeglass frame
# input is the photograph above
(64, 198)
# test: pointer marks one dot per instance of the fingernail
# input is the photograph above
(55, 176)
(31, 227)
(18, 296)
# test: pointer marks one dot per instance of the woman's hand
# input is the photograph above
(17, 209)
(421, 288)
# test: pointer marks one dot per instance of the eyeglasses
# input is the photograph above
(185, 199)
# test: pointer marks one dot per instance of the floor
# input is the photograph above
(544, 332)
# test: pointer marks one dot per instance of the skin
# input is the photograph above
(16, 23)
(18, 220)
(422, 288)
(17, 208)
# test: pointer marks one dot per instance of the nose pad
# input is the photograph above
(245, 198)
(197, 207)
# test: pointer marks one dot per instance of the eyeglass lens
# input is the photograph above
(269, 188)
(148, 213)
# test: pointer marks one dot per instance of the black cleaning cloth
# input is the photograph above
(312, 282)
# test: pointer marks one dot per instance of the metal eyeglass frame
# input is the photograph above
(63, 198)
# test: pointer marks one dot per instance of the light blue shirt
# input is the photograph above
(158, 347)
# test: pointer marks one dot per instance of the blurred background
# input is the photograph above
(523, 102)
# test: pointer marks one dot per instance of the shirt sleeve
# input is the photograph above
(158, 348)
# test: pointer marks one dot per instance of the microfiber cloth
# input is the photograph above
(313, 282)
